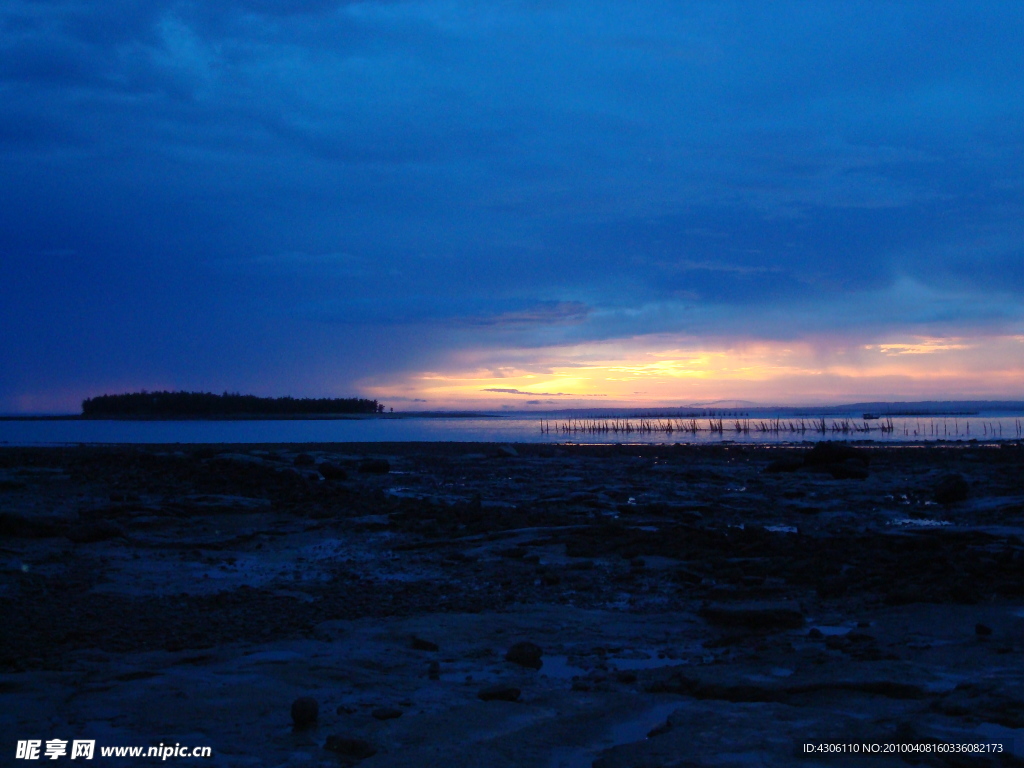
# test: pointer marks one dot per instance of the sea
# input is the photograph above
(884, 424)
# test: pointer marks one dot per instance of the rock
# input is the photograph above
(347, 746)
(951, 489)
(753, 618)
(99, 530)
(828, 452)
(658, 730)
(785, 464)
(507, 450)
(375, 466)
(686, 576)
(305, 711)
(815, 634)
(525, 654)
(626, 676)
(19, 526)
(419, 644)
(331, 471)
(851, 469)
(499, 692)
(386, 713)
(434, 671)
(304, 460)
(982, 630)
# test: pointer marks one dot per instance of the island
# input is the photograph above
(206, 405)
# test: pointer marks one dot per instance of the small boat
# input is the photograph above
(870, 416)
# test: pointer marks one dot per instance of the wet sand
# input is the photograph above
(693, 605)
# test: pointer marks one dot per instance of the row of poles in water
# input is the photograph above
(931, 428)
(719, 426)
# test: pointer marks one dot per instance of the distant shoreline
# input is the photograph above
(262, 416)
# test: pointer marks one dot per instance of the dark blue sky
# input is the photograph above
(330, 198)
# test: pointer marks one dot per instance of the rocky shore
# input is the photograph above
(530, 605)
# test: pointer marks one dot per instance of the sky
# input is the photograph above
(512, 204)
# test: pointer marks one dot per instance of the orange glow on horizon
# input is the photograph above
(661, 371)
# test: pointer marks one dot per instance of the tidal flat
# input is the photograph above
(460, 604)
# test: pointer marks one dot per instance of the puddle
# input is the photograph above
(919, 523)
(830, 630)
(781, 528)
(559, 668)
(624, 732)
(652, 662)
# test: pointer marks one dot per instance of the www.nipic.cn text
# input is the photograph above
(54, 749)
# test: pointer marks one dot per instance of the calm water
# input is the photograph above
(517, 428)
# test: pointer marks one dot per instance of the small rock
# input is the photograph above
(419, 644)
(434, 670)
(100, 530)
(754, 618)
(17, 525)
(658, 730)
(375, 466)
(982, 630)
(815, 634)
(851, 469)
(303, 460)
(499, 692)
(951, 489)
(386, 713)
(331, 471)
(350, 747)
(626, 676)
(525, 654)
(785, 464)
(305, 711)
(828, 452)
(507, 450)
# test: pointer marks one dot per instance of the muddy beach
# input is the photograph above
(528, 605)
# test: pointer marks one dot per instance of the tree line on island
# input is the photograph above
(229, 404)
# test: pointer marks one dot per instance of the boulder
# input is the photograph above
(951, 489)
(331, 471)
(785, 464)
(375, 466)
(499, 692)
(829, 452)
(305, 711)
(525, 654)
(419, 644)
(98, 530)
(753, 619)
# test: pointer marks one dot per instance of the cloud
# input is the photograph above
(531, 394)
(316, 193)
